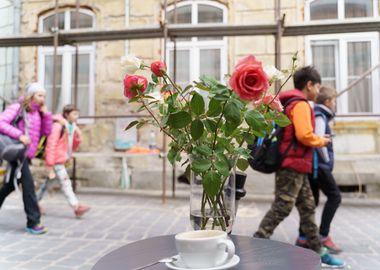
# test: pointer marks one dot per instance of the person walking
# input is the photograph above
(323, 164)
(63, 141)
(26, 121)
(291, 183)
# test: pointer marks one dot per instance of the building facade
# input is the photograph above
(341, 58)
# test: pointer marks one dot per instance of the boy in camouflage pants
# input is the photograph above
(292, 186)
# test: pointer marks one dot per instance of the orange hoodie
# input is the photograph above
(301, 119)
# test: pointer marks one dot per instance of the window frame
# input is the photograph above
(341, 68)
(341, 12)
(67, 52)
(194, 45)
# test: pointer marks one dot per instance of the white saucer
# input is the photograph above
(178, 264)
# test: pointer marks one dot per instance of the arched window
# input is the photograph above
(340, 9)
(198, 56)
(65, 78)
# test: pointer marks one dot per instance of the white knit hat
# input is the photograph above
(33, 88)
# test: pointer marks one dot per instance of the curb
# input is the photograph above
(347, 199)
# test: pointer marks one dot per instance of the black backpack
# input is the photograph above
(265, 151)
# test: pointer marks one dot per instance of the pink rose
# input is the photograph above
(275, 105)
(134, 84)
(158, 68)
(249, 80)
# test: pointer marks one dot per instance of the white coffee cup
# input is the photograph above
(204, 248)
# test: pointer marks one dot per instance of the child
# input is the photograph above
(64, 139)
(38, 122)
(292, 186)
(322, 177)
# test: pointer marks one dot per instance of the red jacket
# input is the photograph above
(299, 157)
(57, 145)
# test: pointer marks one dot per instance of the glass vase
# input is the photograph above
(212, 212)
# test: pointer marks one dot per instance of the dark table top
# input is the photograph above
(255, 254)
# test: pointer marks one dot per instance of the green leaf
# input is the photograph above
(282, 120)
(221, 97)
(150, 88)
(210, 125)
(209, 81)
(211, 183)
(179, 119)
(172, 155)
(203, 150)
(154, 78)
(200, 165)
(255, 120)
(197, 129)
(222, 165)
(242, 164)
(232, 113)
(229, 128)
(131, 124)
(248, 137)
(197, 104)
(214, 108)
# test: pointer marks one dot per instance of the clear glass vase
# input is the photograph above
(212, 212)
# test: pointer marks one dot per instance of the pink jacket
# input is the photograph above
(57, 145)
(37, 126)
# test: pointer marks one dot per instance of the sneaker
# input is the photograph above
(302, 242)
(81, 209)
(36, 229)
(330, 245)
(329, 261)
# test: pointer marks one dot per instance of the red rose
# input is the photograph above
(158, 68)
(249, 80)
(275, 105)
(134, 84)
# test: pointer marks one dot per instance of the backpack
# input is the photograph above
(265, 151)
(12, 150)
(41, 149)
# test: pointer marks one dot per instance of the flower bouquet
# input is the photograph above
(209, 124)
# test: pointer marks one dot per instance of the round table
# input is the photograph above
(255, 254)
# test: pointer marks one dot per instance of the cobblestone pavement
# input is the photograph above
(117, 220)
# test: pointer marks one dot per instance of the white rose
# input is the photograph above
(130, 64)
(273, 73)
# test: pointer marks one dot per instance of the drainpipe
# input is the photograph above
(16, 51)
(126, 43)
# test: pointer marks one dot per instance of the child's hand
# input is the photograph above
(25, 140)
(44, 109)
(326, 140)
(51, 174)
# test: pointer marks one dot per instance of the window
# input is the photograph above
(340, 9)
(197, 56)
(342, 59)
(65, 79)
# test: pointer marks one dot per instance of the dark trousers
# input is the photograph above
(325, 181)
(292, 189)
(28, 194)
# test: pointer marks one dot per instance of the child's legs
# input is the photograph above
(306, 207)
(327, 184)
(288, 185)
(65, 182)
(29, 196)
(315, 191)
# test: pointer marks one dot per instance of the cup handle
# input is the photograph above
(230, 248)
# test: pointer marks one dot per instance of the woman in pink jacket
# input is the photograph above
(38, 122)
(64, 139)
